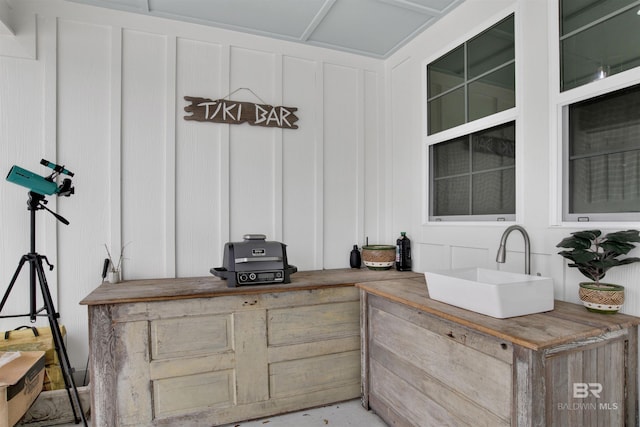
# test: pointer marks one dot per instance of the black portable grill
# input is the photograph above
(254, 261)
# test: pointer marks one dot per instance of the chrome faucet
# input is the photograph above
(502, 252)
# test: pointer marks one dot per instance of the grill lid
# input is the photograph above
(254, 261)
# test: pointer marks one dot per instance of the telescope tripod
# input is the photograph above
(36, 270)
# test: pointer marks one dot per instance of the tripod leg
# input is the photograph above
(13, 281)
(67, 371)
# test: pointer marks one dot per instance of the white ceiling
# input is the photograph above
(375, 28)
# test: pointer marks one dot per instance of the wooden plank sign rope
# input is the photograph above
(236, 112)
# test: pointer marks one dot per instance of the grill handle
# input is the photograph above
(254, 237)
(260, 259)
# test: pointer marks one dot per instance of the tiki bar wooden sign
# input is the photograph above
(236, 112)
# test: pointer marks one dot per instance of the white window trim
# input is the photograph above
(484, 123)
(557, 123)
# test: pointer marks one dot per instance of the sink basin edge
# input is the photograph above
(491, 292)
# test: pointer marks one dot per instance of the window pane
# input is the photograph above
(492, 93)
(451, 196)
(494, 148)
(446, 73)
(491, 49)
(608, 123)
(451, 158)
(607, 48)
(447, 111)
(474, 80)
(494, 192)
(578, 13)
(488, 189)
(604, 154)
(606, 184)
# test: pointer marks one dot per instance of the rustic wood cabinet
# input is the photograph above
(192, 352)
(427, 363)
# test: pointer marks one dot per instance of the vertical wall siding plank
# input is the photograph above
(48, 47)
(201, 166)
(278, 134)
(252, 148)
(170, 160)
(301, 194)
(144, 86)
(319, 166)
(373, 167)
(225, 152)
(399, 156)
(114, 241)
(341, 109)
(83, 139)
(360, 156)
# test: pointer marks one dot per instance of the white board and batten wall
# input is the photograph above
(104, 96)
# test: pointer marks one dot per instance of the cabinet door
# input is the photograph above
(427, 371)
(192, 365)
(588, 386)
(314, 351)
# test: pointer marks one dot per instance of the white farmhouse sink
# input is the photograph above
(492, 292)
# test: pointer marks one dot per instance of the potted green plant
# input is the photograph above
(594, 254)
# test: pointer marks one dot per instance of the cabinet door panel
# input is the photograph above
(191, 335)
(417, 396)
(297, 377)
(166, 368)
(481, 379)
(588, 386)
(192, 393)
(313, 323)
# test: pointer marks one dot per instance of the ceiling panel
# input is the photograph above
(440, 6)
(375, 28)
(289, 18)
(370, 27)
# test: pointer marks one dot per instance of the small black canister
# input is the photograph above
(403, 253)
(355, 260)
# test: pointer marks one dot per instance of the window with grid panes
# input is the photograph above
(603, 158)
(472, 176)
(601, 179)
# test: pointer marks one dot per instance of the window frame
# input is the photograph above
(477, 125)
(583, 218)
(559, 134)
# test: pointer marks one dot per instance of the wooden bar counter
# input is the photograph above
(193, 352)
(427, 363)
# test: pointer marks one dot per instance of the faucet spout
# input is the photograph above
(501, 256)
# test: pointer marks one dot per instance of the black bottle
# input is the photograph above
(403, 253)
(354, 260)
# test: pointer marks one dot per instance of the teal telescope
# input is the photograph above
(45, 186)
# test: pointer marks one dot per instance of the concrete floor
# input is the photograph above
(344, 414)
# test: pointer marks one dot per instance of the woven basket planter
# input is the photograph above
(379, 257)
(603, 298)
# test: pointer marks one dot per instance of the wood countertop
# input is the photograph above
(203, 287)
(565, 324)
